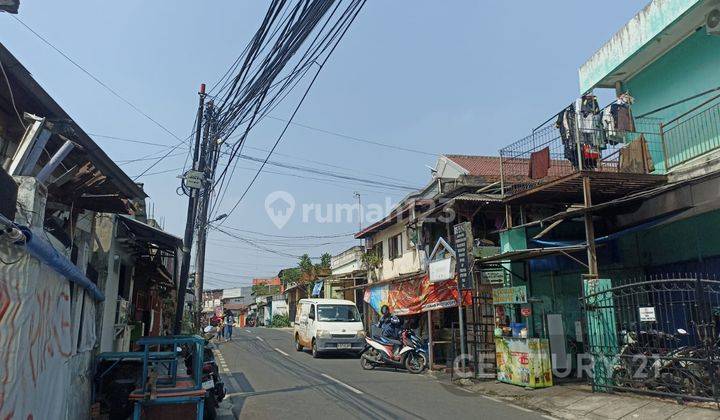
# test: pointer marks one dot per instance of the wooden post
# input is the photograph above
(508, 216)
(589, 230)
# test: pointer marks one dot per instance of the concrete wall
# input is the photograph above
(689, 68)
(47, 325)
(411, 260)
(348, 261)
(631, 38)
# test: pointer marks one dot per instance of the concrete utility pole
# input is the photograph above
(190, 181)
(207, 155)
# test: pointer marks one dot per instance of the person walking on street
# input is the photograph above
(229, 322)
(221, 327)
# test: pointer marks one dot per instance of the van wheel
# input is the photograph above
(315, 352)
(298, 346)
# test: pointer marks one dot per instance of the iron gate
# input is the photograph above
(657, 336)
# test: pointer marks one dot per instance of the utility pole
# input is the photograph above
(360, 214)
(193, 181)
(209, 145)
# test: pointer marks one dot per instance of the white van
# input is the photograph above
(325, 325)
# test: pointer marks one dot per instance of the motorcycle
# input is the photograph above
(211, 382)
(379, 351)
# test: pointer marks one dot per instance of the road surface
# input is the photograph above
(267, 379)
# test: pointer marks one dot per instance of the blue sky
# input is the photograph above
(462, 77)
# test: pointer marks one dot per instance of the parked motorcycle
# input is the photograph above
(211, 381)
(411, 355)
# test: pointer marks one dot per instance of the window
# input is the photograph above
(338, 313)
(395, 246)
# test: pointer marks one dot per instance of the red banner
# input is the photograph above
(417, 295)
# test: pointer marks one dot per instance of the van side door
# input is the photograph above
(302, 323)
(311, 323)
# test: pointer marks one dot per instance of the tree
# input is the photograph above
(290, 276)
(325, 260)
(260, 289)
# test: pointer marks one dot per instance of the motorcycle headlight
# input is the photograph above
(323, 334)
(360, 334)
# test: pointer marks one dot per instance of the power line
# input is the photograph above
(96, 79)
(297, 108)
(354, 138)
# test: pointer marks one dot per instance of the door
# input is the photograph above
(311, 317)
(302, 322)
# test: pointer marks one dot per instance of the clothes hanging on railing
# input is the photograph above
(635, 158)
(584, 119)
(539, 163)
(617, 119)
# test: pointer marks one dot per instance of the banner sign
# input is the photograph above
(509, 295)
(415, 296)
(463, 244)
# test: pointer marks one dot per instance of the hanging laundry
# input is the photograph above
(590, 155)
(539, 163)
(566, 125)
(617, 119)
(635, 158)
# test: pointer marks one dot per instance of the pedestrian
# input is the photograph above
(221, 327)
(229, 322)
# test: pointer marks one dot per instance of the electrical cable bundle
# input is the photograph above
(295, 40)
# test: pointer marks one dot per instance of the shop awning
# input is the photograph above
(531, 253)
(145, 233)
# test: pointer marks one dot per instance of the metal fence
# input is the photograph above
(692, 134)
(656, 336)
(589, 150)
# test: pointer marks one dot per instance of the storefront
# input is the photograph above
(521, 359)
(431, 308)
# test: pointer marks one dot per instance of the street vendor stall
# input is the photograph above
(521, 359)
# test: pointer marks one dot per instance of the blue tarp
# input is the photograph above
(317, 288)
(43, 250)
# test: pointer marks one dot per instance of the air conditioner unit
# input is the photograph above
(712, 22)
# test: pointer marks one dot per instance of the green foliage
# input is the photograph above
(325, 260)
(305, 264)
(290, 276)
(371, 259)
(261, 289)
(280, 321)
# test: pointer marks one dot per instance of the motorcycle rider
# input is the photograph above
(389, 324)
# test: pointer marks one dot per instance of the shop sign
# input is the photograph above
(463, 244)
(441, 270)
(526, 311)
(492, 276)
(509, 295)
(647, 314)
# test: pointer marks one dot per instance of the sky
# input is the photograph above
(453, 77)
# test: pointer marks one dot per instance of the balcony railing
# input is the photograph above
(587, 150)
(692, 133)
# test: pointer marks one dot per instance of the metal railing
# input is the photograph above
(587, 150)
(692, 133)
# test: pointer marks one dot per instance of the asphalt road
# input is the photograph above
(267, 379)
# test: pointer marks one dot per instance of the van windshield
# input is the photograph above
(338, 313)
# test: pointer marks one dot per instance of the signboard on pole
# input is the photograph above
(463, 248)
(441, 270)
(509, 295)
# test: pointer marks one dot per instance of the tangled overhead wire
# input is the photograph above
(295, 40)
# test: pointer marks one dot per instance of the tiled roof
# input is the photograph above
(488, 166)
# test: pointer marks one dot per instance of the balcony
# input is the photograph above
(549, 164)
(692, 134)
